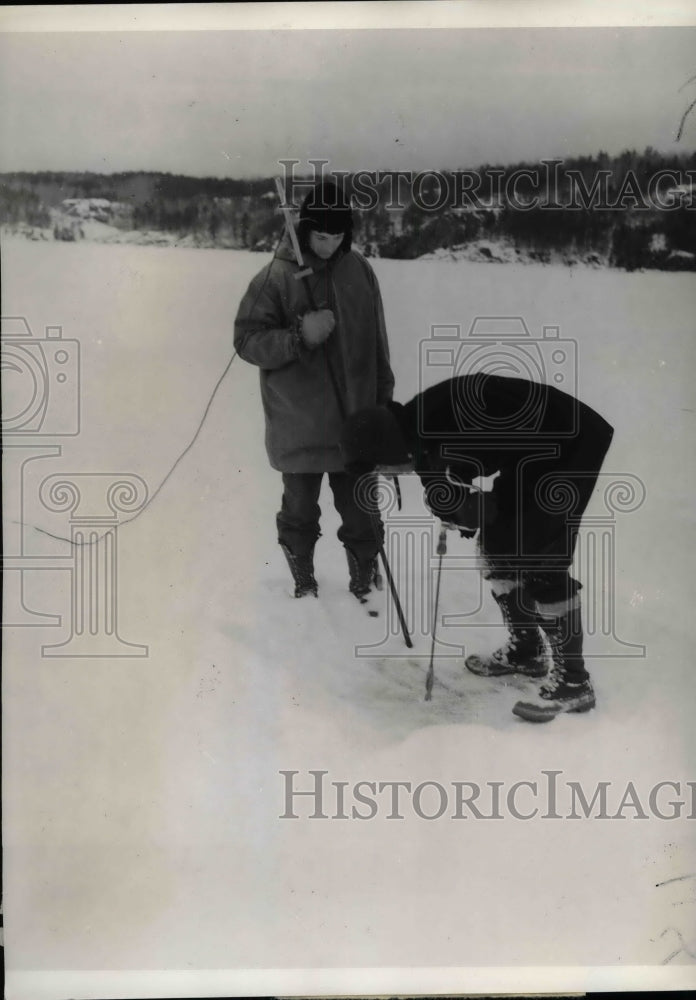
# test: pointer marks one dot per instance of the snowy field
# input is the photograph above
(142, 794)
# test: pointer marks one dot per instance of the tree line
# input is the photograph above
(625, 220)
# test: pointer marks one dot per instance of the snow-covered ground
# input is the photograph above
(142, 795)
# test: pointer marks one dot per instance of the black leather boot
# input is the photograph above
(568, 687)
(364, 574)
(302, 569)
(525, 650)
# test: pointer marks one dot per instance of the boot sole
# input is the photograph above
(536, 713)
(484, 671)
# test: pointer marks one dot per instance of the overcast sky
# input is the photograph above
(232, 103)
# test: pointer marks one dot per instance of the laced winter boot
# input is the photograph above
(302, 569)
(364, 574)
(568, 687)
(524, 652)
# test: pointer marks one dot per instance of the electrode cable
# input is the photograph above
(95, 541)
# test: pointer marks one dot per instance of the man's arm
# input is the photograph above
(264, 334)
(455, 503)
(385, 375)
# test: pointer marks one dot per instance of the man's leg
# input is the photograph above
(361, 531)
(297, 522)
(524, 651)
(568, 687)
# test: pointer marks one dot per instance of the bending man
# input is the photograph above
(547, 449)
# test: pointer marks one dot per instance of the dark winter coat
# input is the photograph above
(547, 446)
(303, 415)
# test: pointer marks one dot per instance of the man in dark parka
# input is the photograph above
(322, 354)
(546, 449)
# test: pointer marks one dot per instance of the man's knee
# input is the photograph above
(501, 584)
(552, 587)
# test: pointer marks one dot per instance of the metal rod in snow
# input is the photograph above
(394, 593)
(441, 549)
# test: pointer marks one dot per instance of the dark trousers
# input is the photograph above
(533, 536)
(298, 519)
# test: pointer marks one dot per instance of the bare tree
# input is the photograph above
(688, 110)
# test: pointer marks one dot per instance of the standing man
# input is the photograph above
(547, 449)
(322, 352)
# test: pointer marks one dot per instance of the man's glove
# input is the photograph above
(464, 532)
(480, 508)
(317, 326)
(467, 516)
